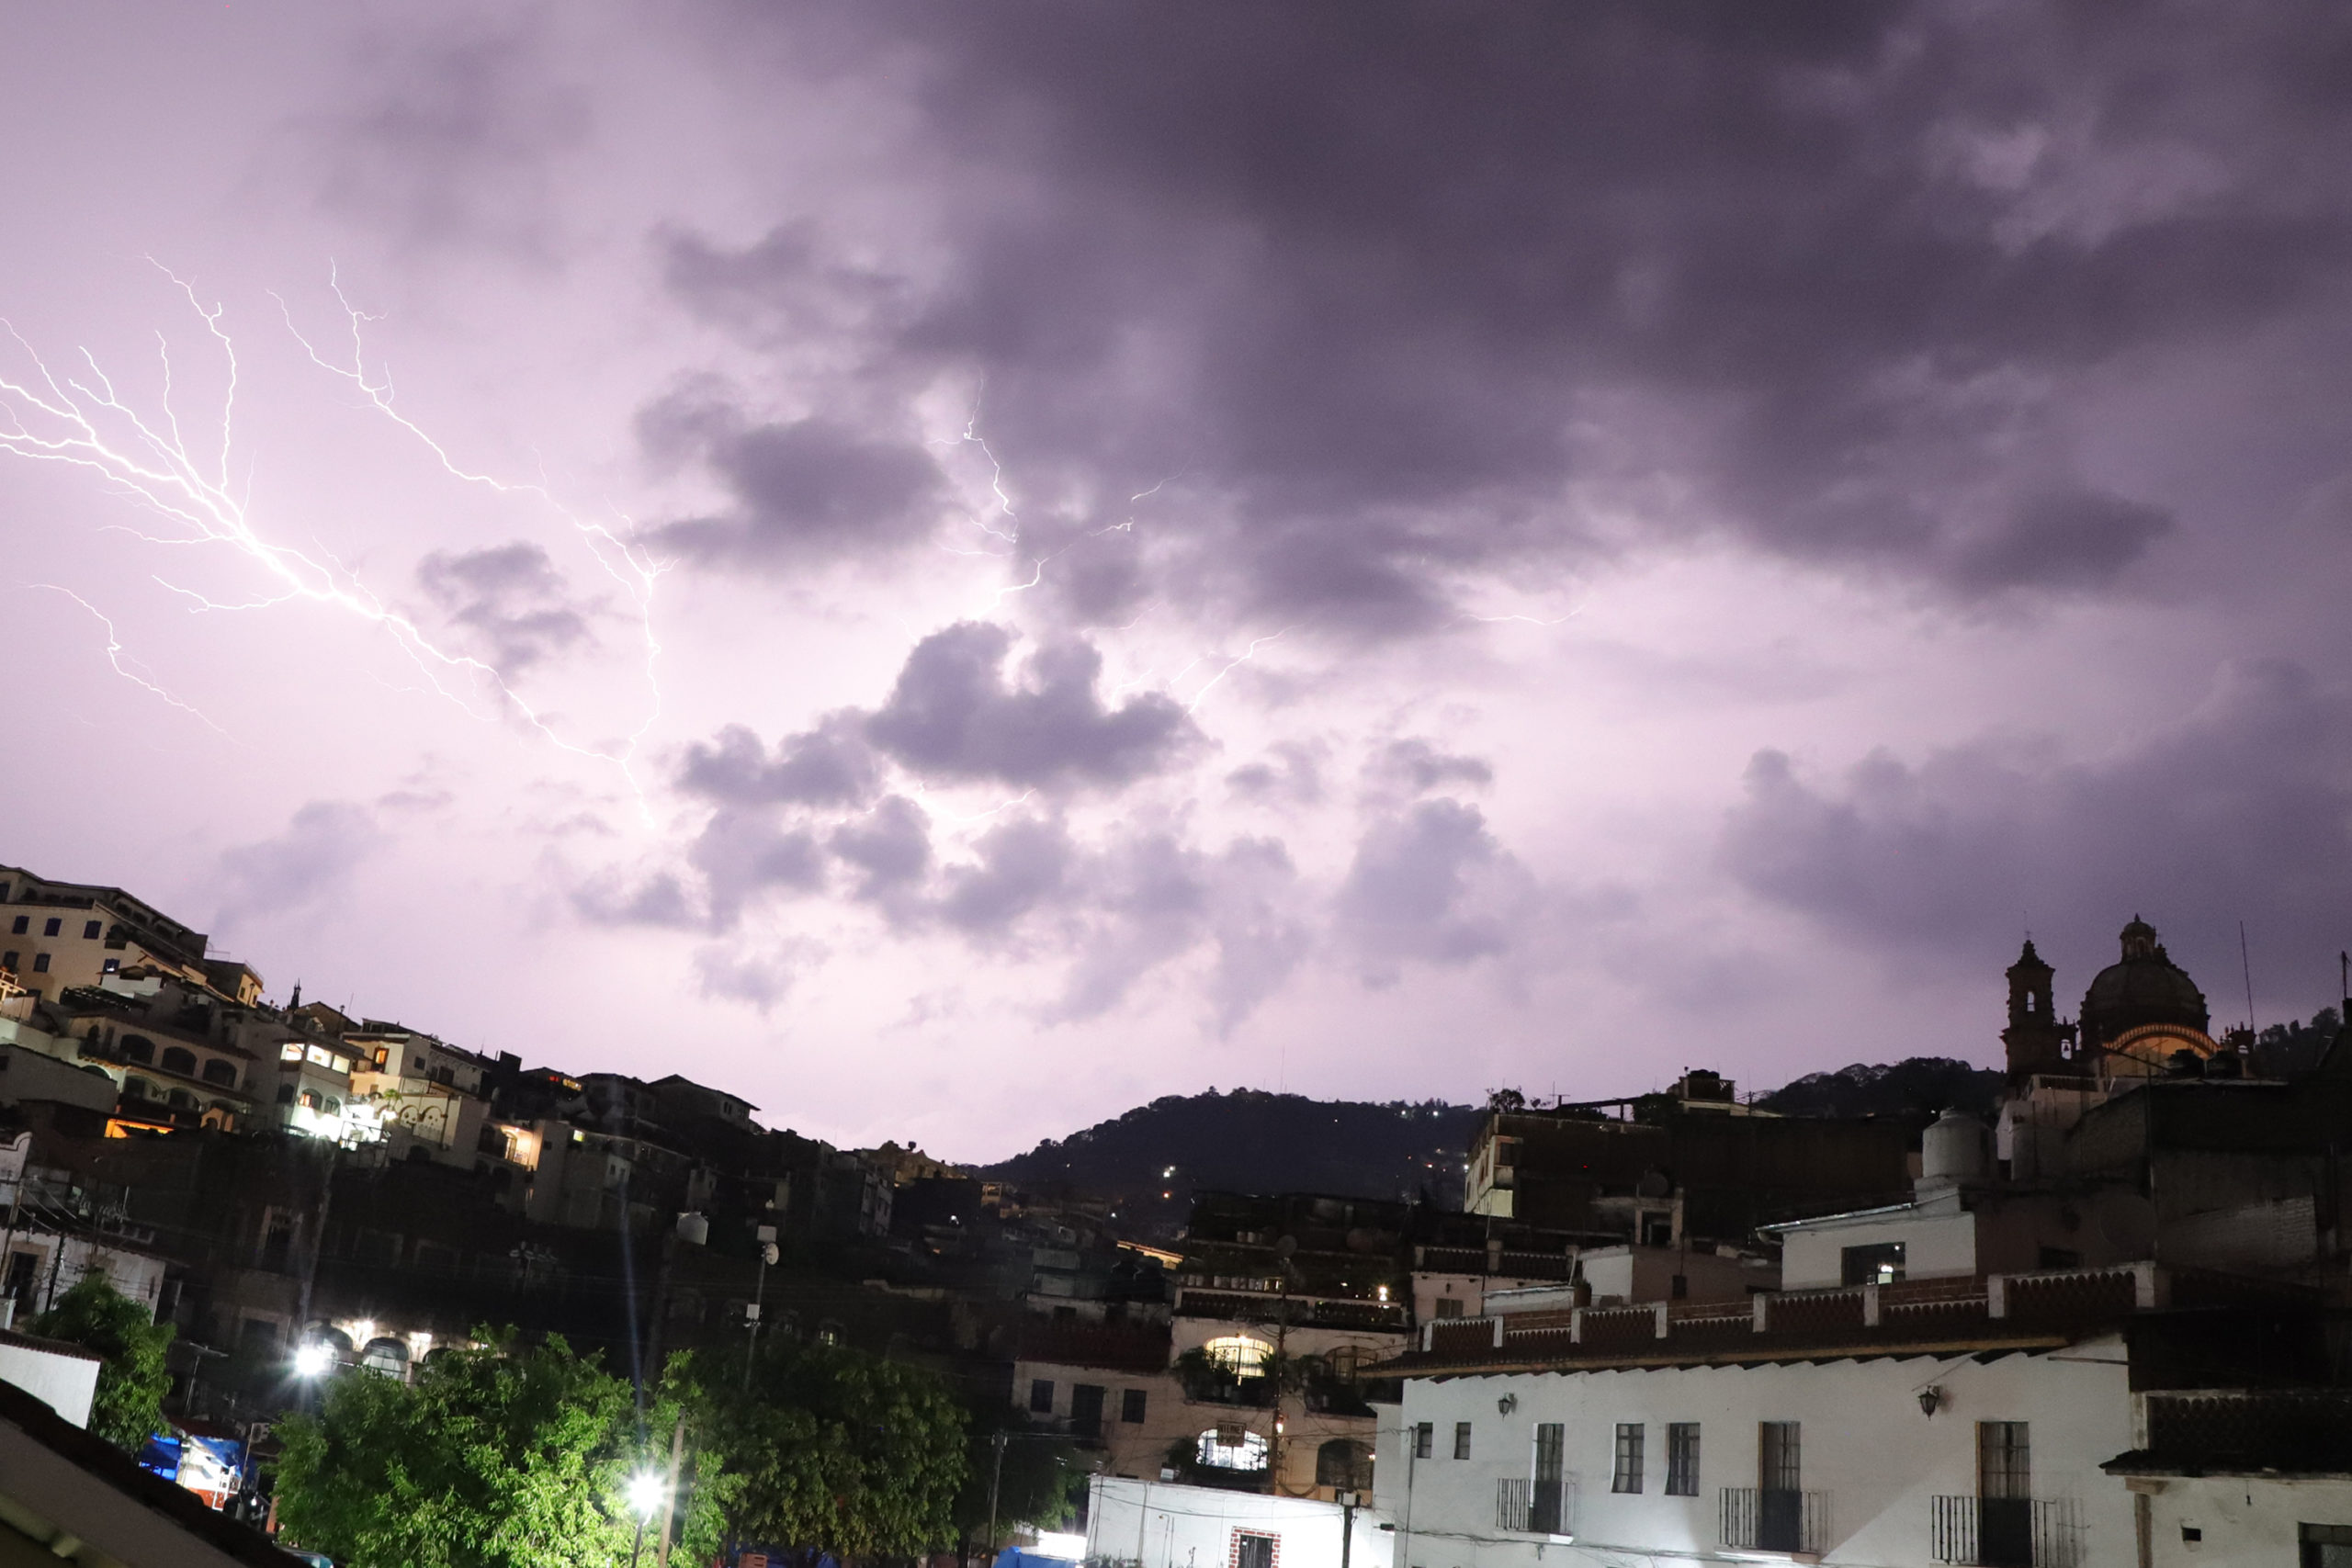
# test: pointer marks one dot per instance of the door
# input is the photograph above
(1543, 1508)
(2004, 1496)
(1780, 1488)
(1086, 1409)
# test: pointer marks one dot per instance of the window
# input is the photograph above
(40, 962)
(1625, 1471)
(1462, 1439)
(89, 931)
(24, 924)
(2325, 1546)
(1682, 1459)
(1231, 1448)
(1086, 1408)
(8, 960)
(1132, 1404)
(111, 967)
(1778, 1454)
(2004, 1460)
(52, 927)
(1041, 1396)
(179, 1059)
(137, 1087)
(1240, 1355)
(1424, 1440)
(137, 1048)
(1546, 1510)
(1344, 1465)
(1879, 1264)
(1449, 1307)
(290, 1052)
(1251, 1549)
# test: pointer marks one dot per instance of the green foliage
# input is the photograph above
(494, 1458)
(129, 1405)
(833, 1447)
(1039, 1483)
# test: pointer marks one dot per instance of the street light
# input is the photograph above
(645, 1494)
(312, 1359)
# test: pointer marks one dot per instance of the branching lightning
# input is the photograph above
(1247, 655)
(85, 423)
(115, 657)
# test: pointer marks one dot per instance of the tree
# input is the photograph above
(833, 1447)
(493, 1458)
(128, 1408)
(1038, 1484)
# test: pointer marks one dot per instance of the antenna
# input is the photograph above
(2245, 965)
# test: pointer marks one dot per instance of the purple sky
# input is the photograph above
(1045, 554)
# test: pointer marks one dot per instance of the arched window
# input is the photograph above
(386, 1356)
(179, 1059)
(219, 1070)
(1240, 1355)
(1246, 1451)
(182, 1098)
(137, 1087)
(137, 1048)
(1344, 1463)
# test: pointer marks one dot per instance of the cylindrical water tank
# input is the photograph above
(1957, 1148)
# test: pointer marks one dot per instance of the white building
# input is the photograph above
(1148, 1524)
(1920, 1421)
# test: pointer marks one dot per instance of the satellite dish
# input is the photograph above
(1285, 1247)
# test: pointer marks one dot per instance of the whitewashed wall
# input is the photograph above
(1166, 1525)
(2239, 1521)
(1865, 1442)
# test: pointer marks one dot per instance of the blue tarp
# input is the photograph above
(1013, 1557)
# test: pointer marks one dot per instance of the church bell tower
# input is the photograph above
(2036, 1040)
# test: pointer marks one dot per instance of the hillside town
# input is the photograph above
(2104, 1326)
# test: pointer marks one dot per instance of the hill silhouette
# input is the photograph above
(1145, 1165)
(1148, 1162)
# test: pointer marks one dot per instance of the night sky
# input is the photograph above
(955, 567)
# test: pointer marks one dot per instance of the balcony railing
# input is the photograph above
(2006, 1532)
(1767, 1518)
(1533, 1508)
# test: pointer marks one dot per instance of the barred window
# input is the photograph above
(1682, 1459)
(1626, 1475)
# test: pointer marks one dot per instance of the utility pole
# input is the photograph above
(759, 1295)
(995, 1477)
(669, 1494)
(1347, 1501)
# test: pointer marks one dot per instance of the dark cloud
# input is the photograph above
(891, 848)
(1431, 886)
(830, 765)
(1418, 767)
(953, 715)
(743, 854)
(805, 489)
(450, 140)
(1023, 865)
(1406, 295)
(322, 846)
(509, 595)
(2242, 809)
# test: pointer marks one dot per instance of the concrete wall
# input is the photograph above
(66, 1383)
(1865, 1444)
(1161, 1525)
(2237, 1519)
(1936, 1246)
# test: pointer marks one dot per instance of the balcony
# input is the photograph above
(2006, 1532)
(1532, 1508)
(1769, 1519)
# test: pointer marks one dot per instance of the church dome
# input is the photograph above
(2145, 987)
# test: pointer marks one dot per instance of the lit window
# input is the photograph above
(1230, 1449)
(1240, 1355)
(290, 1052)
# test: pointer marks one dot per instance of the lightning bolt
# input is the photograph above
(1247, 655)
(115, 657)
(85, 423)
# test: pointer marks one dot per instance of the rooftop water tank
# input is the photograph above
(1955, 1150)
